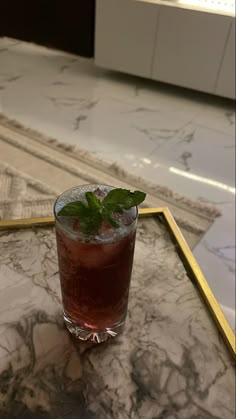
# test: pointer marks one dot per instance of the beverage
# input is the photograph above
(95, 270)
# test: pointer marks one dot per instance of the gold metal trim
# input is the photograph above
(187, 256)
(49, 221)
(202, 284)
(26, 223)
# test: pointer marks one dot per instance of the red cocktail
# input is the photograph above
(95, 270)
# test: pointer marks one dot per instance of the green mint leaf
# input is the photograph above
(106, 215)
(113, 207)
(94, 212)
(119, 199)
(93, 201)
(72, 209)
(90, 221)
(134, 199)
(116, 196)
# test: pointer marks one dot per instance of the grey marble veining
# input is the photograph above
(188, 137)
(158, 136)
(66, 101)
(225, 253)
(9, 78)
(78, 121)
(65, 67)
(230, 115)
(184, 159)
(169, 363)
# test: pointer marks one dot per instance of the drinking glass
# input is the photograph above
(95, 270)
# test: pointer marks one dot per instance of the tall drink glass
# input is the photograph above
(95, 271)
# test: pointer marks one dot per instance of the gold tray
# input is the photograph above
(185, 253)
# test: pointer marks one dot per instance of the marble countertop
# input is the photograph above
(169, 363)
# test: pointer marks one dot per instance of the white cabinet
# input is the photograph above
(226, 81)
(189, 47)
(167, 42)
(124, 35)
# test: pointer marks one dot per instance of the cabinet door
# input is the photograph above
(189, 47)
(226, 81)
(125, 34)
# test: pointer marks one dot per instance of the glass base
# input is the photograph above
(86, 334)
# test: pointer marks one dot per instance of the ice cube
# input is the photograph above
(94, 255)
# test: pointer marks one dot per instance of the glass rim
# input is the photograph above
(79, 234)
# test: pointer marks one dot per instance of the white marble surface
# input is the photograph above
(160, 132)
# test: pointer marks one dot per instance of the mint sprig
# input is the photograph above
(92, 213)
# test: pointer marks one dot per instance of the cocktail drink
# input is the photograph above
(95, 269)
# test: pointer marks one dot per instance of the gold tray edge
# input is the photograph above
(25, 223)
(34, 222)
(206, 292)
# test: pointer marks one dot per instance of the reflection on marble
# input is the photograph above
(169, 363)
(144, 126)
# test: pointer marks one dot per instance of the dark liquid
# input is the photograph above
(95, 279)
